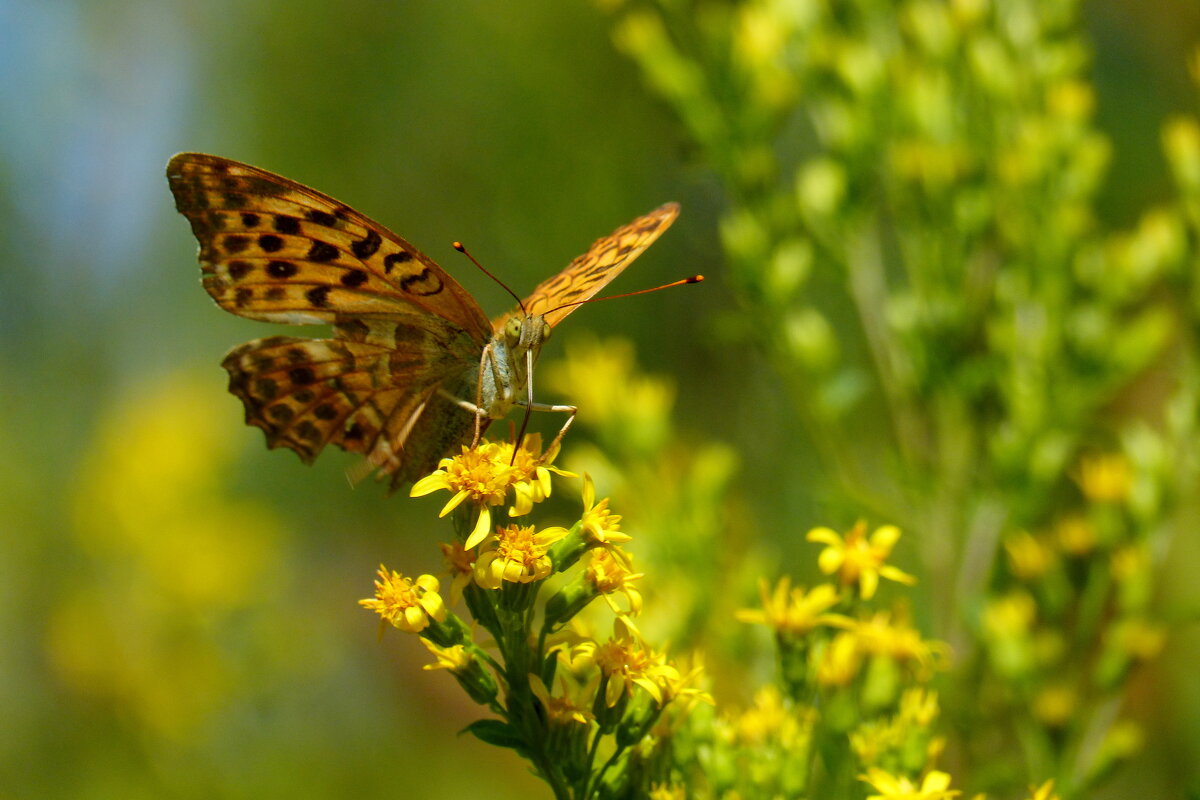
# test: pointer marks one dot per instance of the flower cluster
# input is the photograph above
(583, 709)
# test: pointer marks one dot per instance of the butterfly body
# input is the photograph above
(414, 365)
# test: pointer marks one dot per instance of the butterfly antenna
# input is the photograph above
(462, 249)
(672, 284)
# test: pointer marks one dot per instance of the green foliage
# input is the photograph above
(911, 229)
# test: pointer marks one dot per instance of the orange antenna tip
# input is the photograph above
(459, 247)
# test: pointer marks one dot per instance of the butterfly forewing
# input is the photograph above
(592, 271)
(275, 250)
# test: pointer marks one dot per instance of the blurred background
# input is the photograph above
(178, 603)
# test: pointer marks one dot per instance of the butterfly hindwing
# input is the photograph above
(275, 250)
(364, 398)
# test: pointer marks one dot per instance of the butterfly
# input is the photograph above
(414, 365)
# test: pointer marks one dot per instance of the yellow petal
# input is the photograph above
(430, 483)
(483, 526)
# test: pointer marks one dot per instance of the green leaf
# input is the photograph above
(496, 732)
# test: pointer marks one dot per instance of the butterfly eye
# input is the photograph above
(512, 330)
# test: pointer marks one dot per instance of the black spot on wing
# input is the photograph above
(322, 217)
(423, 284)
(270, 243)
(318, 296)
(282, 269)
(392, 259)
(322, 252)
(288, 225)
(367, 247)
(353, 278)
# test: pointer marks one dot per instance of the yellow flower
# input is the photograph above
(1009, 617)
(772, 719)
(1105, 478)
(1055, 706)
(625, 661)
(460, 563)
(406, 604)
(879, 635)
(892, 787)
(1043, 792)
(1029, 557)
(516, 554)
(840, 662)
(598, 523)
(1139, 637)
(482, 474)
(858, 559)
(793, 611)
(612, 576)
(562, 709)
(666, 791)
(1076, 535)
(532, 480)
(454, 658)
(683, 685)
(919, 706)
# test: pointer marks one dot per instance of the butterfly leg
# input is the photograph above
(488, 359)
(572, 410)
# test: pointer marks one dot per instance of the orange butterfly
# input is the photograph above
(410, 345)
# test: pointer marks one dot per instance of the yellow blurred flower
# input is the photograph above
(840, 662)
(1028, 556)
(1139, 637)
(793, 610)
(881, 635)
(919, 706)
(1043, 792)
(406, 604)
(168, 556)
(1076, 535)
(517, 554)
(1055, 706)
(1105, 478)
(859, 559)
(773, 719)
(1010, 616)
(893, 787)
(666, 791)
(602, 378)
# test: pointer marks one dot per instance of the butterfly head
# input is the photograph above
(527, 332)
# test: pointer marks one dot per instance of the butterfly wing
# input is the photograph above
(592, 271)
(275, 250)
